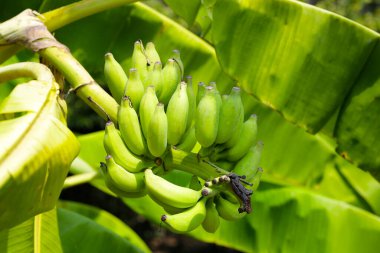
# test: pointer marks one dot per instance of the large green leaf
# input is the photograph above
(81, 234)
(298, 59)
(293, 220)
(38, 234)
(188, 9)
(358, 127)
(36, 151)
(303, 62)
(106, 220)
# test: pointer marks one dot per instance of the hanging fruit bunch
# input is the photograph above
(166, 124)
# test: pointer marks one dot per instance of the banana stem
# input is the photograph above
(189, 162)
(27, 29)
(65, 15)
(81, 81)
(79, 179)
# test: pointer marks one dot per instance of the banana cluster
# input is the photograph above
(160, 113)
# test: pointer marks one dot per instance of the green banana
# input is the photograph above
(188, 220)
(217, 94)
(134, 88)
(176, 55)
(201, 91)
(148, 104)
(230, 114)
(122, 182)
(169, 209)
(189, 81)
(188, 140)
(115, 77)
(228, 210)
(168, 193)
(177, 113)
(247, 138)
(157, 135)
(152, 55)
(130, 127)
(248, 165)
(154, 78)
(139, 60)
(171, 77)
(211, 222)
(192, 100)
(207, 118)
(114, 145)
(235, 136)
(255, 180)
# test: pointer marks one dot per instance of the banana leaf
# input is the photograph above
(306, 64)
(38, 234)
(108, 231)
(36, 151)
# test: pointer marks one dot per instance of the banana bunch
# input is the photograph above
(162, 119)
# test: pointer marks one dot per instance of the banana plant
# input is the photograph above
(300, 67)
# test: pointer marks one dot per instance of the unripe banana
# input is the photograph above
(230, 114)
(188, 220)
(211, 222)
(177, 57)
(171, 77)
(168, 193)
(207, 118)
(255, 180)
(188, 140)
(157, 136)
(152, 55)
(235, 136)
(213, 84)
(134, 88)
(217, 94)
(189, 81)
(114, 145)
(154, 78)
(228, 210)
(148, 104)
(122, 182)
(192, 100)
(248, 165)
(130, 127)
(169, 209)
(139, 60)
(177, 113)
(246, 140)
(115, 77)
(201, 91)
